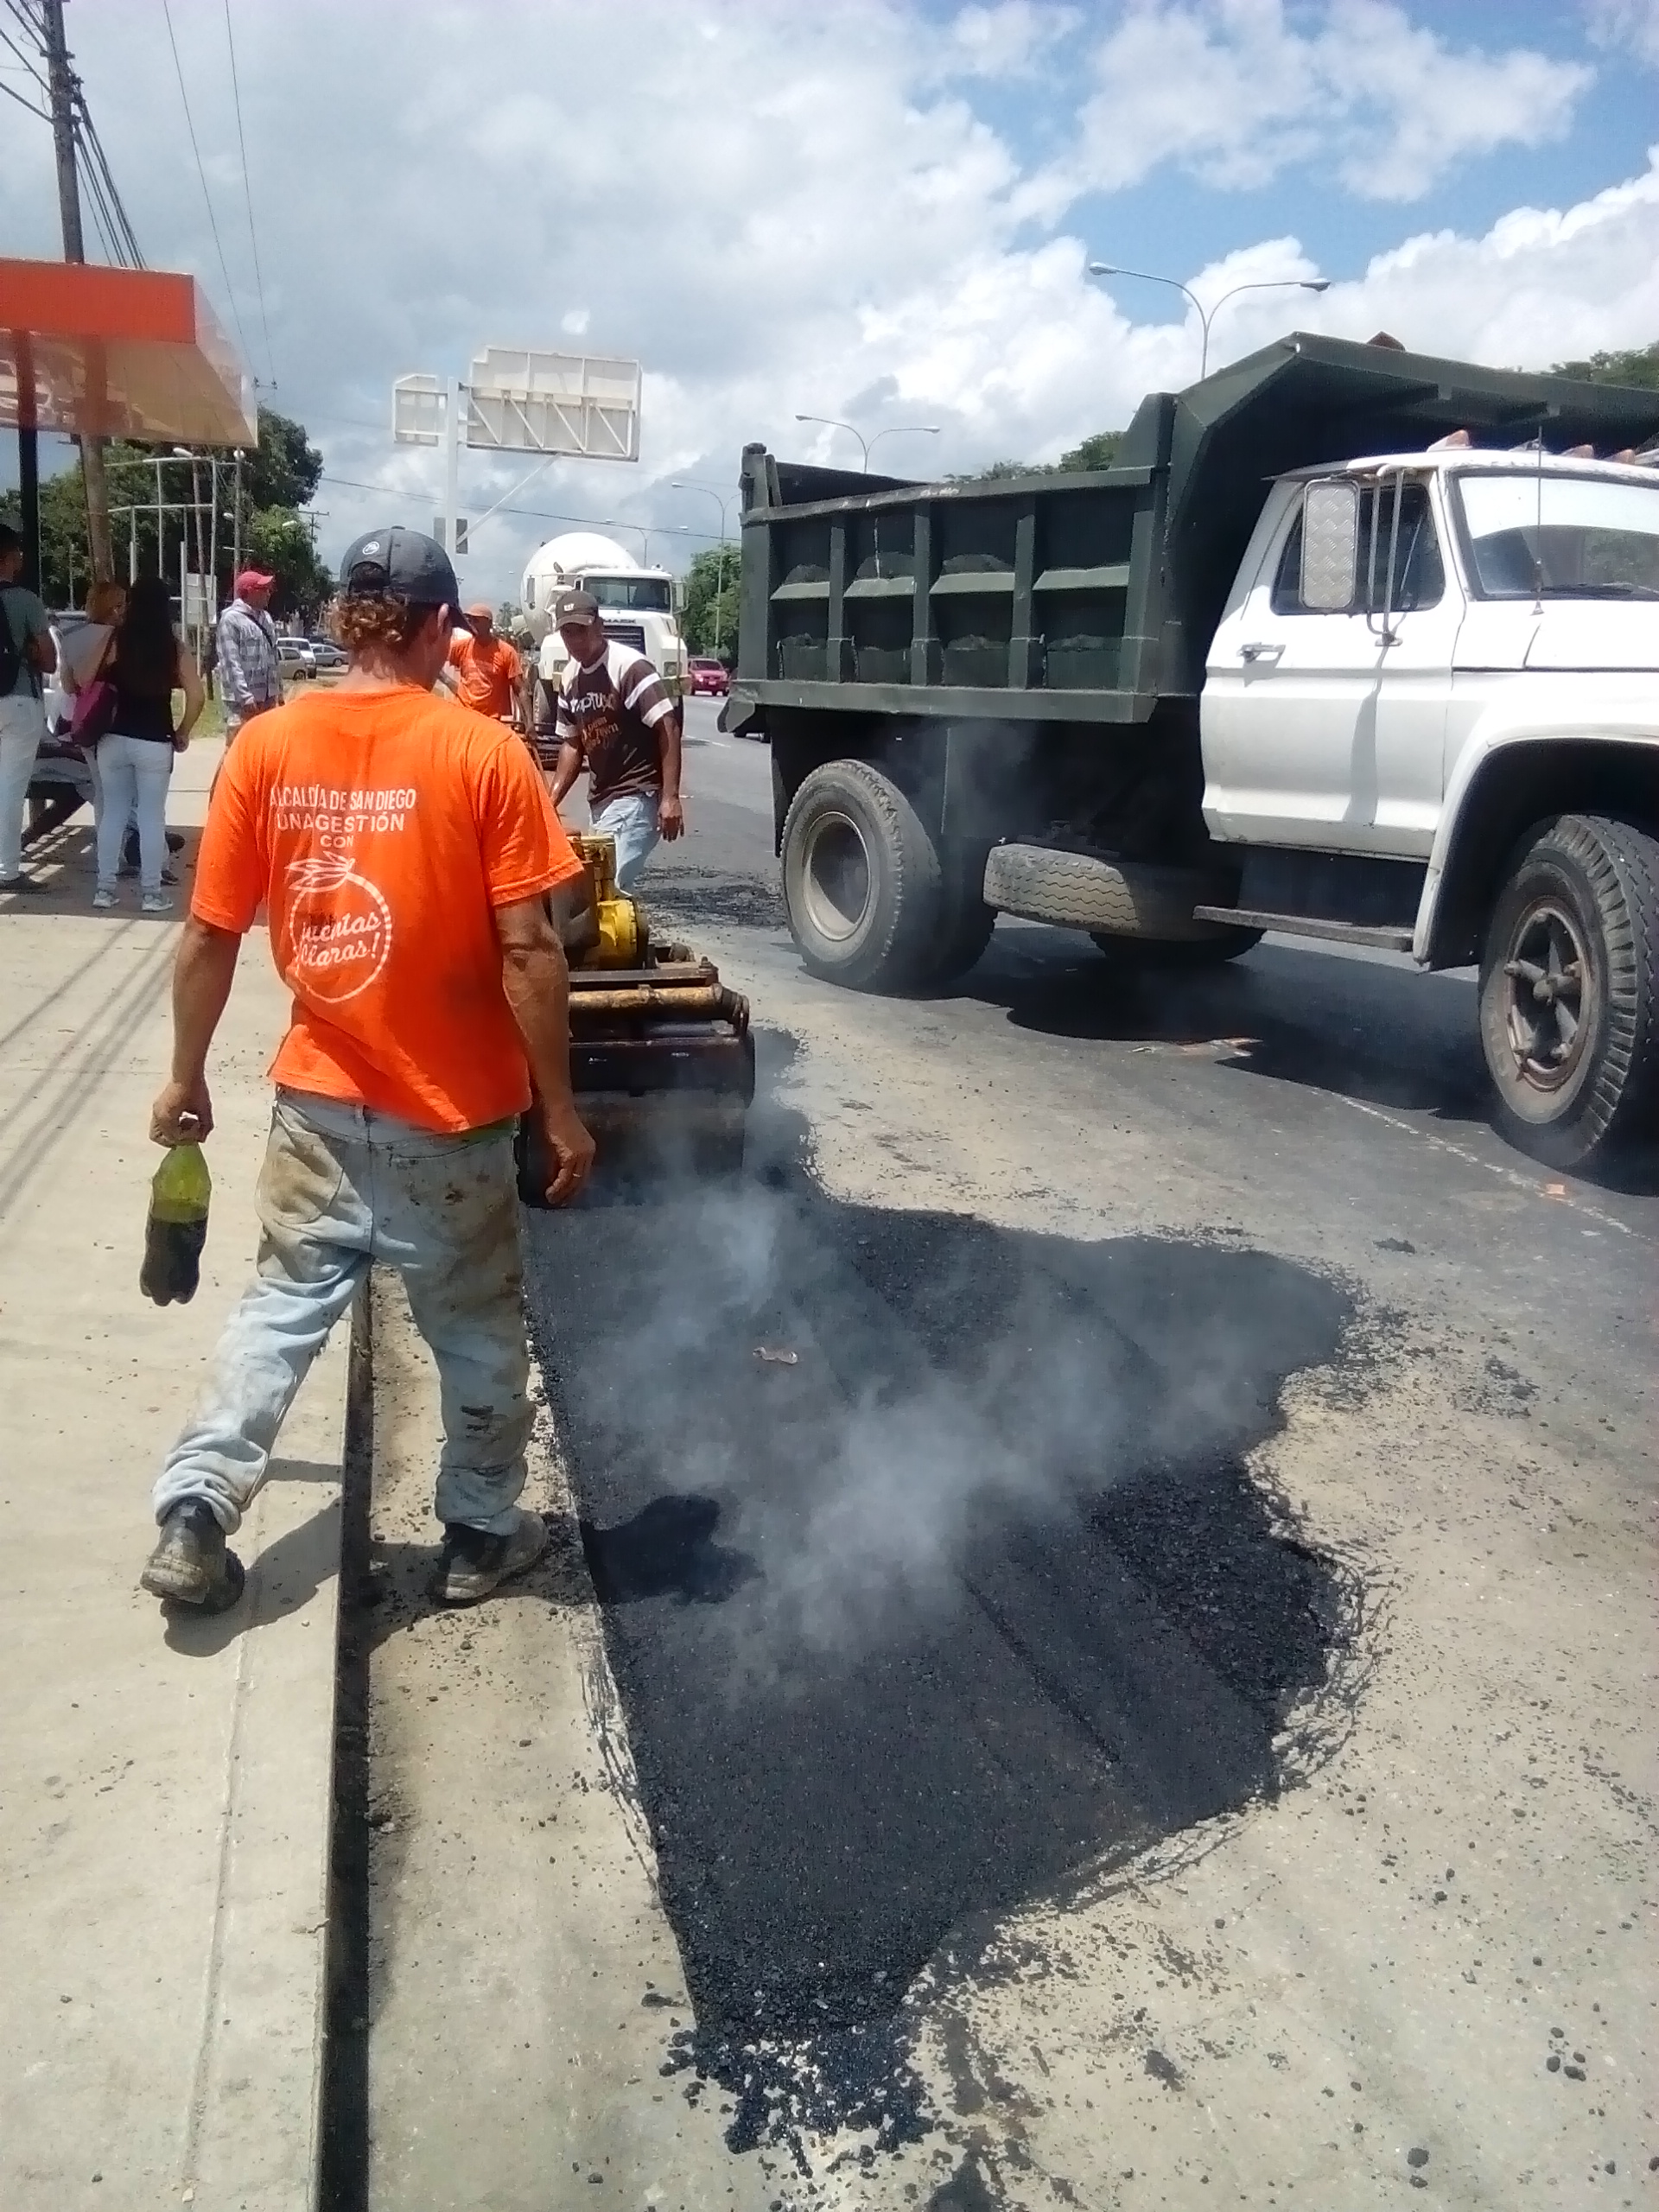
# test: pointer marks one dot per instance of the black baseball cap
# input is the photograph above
(397, 563)
(575, 607)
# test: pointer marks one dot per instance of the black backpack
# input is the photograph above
(12, 663)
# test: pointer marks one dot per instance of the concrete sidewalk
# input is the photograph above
(164, 1787)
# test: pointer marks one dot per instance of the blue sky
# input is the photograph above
(881, 209)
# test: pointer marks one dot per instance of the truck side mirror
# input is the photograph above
(1330, 547)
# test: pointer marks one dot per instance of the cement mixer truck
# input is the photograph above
(636, 604)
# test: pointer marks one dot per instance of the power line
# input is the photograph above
(208, 198)
(535, 514)
(103, 183)
(247, 193)
(22, 102)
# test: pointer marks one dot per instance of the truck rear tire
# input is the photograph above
(1569, 989)
(1129, 899)
(862, 885)
(965, 921)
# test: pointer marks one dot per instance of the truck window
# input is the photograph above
(1420, 574)
(1561, 537)
(634, 594)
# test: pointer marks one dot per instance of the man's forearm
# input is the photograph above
(565, 774)
(202, 975)
(671, 754)
(538, 986)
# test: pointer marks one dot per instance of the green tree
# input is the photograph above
(285, 468)
(279, 539)
(708, 622)
(1100, 451)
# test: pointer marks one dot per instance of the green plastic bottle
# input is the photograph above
(177, 1227)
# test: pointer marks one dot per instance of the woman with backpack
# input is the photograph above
(146, 665)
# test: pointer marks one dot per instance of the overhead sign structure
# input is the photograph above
(571, 406)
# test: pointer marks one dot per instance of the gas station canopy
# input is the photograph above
(118, 353)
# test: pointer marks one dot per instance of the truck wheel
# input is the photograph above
(1227, 943)
(1569, 995)
(1127, 898)
(965, 921)
(861, 879)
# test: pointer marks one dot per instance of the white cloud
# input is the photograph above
(1235, 91)
(803, 215)
(1005, 40)
(1631, 25)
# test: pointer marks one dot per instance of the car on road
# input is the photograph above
(326, 653)
(709, 678)
(295, 656)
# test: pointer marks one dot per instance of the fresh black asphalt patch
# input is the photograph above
(973, 1594)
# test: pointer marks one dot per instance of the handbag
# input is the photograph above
(95, 708)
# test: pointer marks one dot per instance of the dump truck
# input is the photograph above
(1350, 642)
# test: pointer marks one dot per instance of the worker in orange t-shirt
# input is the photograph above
(483, 671)
(405, 851)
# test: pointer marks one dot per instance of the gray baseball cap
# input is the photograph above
(398, 563)
(575, 607)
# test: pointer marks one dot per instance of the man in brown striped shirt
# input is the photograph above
(614, 716)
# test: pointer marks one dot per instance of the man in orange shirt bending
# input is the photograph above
(482, 670)
(405, 848)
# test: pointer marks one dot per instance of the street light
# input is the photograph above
(894, 430)
(1264, 284)
(710, 492)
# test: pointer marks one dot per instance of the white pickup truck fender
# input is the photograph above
(1537, 708)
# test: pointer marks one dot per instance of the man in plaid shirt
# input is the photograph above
(250, 677)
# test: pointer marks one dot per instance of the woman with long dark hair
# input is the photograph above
(135, 761)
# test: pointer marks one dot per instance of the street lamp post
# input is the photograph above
(710, 492)
(892, 430)
(1207, 316)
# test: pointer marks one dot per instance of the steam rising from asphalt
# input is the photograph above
(855, 1480)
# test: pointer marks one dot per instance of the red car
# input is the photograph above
(709, 678)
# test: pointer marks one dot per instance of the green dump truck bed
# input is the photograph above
(1089, 598)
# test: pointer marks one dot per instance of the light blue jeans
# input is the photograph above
(341, 1187)
(22, 725)
(632, 821)
(133, 772)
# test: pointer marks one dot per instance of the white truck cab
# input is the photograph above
(1412, 638)
(636, 604)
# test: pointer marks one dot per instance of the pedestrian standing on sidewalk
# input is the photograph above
(28, 656)
(247, 668)
(82, 653)
(147, 664)
(616, 716)
(404, 849)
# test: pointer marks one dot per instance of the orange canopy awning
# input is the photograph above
(118, 353)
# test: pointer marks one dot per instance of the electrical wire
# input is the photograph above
(208, 198)
(535, 514)
(22, 102)
(7, 39)
(247, 195)
(99, 173)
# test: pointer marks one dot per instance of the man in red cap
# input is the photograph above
(250, 675)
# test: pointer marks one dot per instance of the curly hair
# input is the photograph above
(355, 622)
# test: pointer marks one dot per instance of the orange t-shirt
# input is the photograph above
(382, 829)
(489, 674)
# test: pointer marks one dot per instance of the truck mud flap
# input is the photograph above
(1106, 897)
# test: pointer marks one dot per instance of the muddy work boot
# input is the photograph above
(190, 1565)
(473, 1563)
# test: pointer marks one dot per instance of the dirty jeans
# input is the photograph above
(632, 820)
(342, 1187)
(22, 725)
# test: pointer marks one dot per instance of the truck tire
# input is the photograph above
(965, 921)
(1569, 989)
(1111, 899)
(863, 886)
(1227, 943)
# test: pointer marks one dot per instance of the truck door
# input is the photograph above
(1328, 730)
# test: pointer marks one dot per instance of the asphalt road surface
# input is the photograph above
(1122, 1661)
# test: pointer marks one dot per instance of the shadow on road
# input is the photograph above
(993, 1597)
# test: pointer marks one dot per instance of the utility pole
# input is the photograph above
(61, 86)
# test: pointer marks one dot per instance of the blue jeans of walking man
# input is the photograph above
(343, 1187)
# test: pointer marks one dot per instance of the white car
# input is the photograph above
(296, 657)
